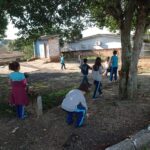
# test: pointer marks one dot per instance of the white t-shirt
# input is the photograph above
(97, 75)
(72, 99)
(106, 65)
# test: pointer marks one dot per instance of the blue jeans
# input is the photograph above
(98, 88)
(79, 113)
(113, 73)
(20, 111)
(63, 66)
(85, 79)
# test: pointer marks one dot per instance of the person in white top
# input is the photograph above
(97, 77)
(75, 104)
(107, 66)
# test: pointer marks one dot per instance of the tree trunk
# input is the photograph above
(125, 29)
(126, 60)
(138, 40)
(130, 57)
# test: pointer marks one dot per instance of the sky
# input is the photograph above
(11, 31)
(95, 30)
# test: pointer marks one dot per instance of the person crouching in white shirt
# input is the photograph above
(75, 104)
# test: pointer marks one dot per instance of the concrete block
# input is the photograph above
(141, 139)
(127, 144)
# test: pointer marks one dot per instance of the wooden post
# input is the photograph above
(39, 108)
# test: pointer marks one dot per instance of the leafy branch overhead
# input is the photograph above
(34, 18)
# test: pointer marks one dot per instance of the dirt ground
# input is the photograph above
(110, 120)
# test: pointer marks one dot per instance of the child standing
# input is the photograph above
(62, 61)
(80, 60)
(107, 66)
(85, 71)
(114, 66)
(18, 92)
(97, 76)
(75, 104)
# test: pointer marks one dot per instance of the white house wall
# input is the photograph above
(47, 50)
(101, 42)
(41, 50)
(145, 51)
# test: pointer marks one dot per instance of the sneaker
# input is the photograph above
(83, 125)
(23, 117)
(94, 98)
(110, 82)
(100, 96)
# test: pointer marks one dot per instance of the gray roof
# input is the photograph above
(46, 37)
(97, 35)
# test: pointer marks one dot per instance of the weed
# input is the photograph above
(54, 98)
(6, 110)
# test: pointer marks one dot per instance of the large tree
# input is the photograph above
(34, 17)
(3, 19)
(127, 16)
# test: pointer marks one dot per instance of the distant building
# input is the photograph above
(95, 42)
(145, 51)
(47, 47)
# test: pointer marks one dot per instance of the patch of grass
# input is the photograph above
(92, 58)
(4, 89)
(54, 98)
(146, 40)
(6, 110)
(145, 148)
(39, 85)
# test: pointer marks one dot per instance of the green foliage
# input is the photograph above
(23, 45)
(4, 89)
(28, 51)
(35, 18)
(3, 24)
(92, 58)
(68, 17)
(6, 110)
(146, 40)
(145, 148)
(114, 13)
(54, 99)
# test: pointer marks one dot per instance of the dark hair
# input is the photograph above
(84, 87)
(26, 75)
(97, 63)
(114, 52)
(107, 59)
(14, 66)
(85, 60)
